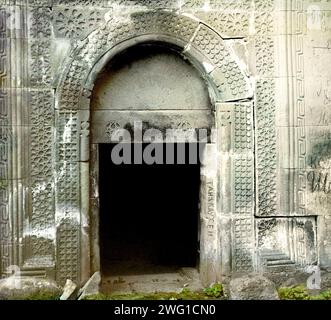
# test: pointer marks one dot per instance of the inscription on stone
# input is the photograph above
(319, 181)
(210, 209)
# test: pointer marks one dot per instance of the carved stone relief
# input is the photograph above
(271, 105)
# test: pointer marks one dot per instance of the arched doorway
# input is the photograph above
(149, 213)
(226, 240)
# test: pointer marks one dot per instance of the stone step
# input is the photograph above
(279, 262)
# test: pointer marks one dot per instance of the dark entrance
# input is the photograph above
(149, 215)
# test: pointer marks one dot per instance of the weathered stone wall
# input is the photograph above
(302, 235)
(272, 55)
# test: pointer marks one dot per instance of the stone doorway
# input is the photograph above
(157, 226)
(149, 222)
(176, 93)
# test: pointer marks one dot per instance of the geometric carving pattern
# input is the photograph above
(67, 195)
(243, 186)
(112, 127)
(68, 252)
(265, 227)
(42, 206)
(41, 161)
(299, 105)
(243, 133)
(264, 5)
(230, 5)
(236, 5)
(243, 244)
(40, 3)
(73, 22)
(5, 223)
(234, 24)
(40, 64)
(41, 233)
(264, 44)
(265, 111)
(72, 85)
(206, 41)
(212, 45)
(40, 22)
(84, 3)
(264, 55)
(266, 147)
(70, 93)
(67, 137)
(41, 120)
(40, 248)
(264, 23)
(67, 166)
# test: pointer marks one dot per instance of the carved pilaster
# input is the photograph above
(209, 225)
(5, 139)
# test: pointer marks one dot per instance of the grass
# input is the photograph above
(43, 296)
(214, 292)
(301, 293)
(40, 295)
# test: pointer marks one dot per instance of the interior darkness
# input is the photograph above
(148, 215)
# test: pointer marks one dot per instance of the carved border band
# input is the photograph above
(5, 136)
(266, 150)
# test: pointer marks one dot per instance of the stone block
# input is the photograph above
(252, 287)
(91, 287)
(68, 290)
(16, 287)
(166, 80)
(278, 241)
(105, 123)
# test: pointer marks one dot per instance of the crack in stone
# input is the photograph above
(188, 46)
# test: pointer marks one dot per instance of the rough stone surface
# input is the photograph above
(173, 281)
(28, 287)
(291, 282)
(68, 290)
(285, 276)
(325, 280)
(252, 287)
(91, 287)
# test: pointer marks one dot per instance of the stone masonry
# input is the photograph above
(266, 184)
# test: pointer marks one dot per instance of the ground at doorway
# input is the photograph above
(214, 292)
(167, 280)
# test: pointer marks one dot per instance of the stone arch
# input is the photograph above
(206, 50)
(199, 40)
